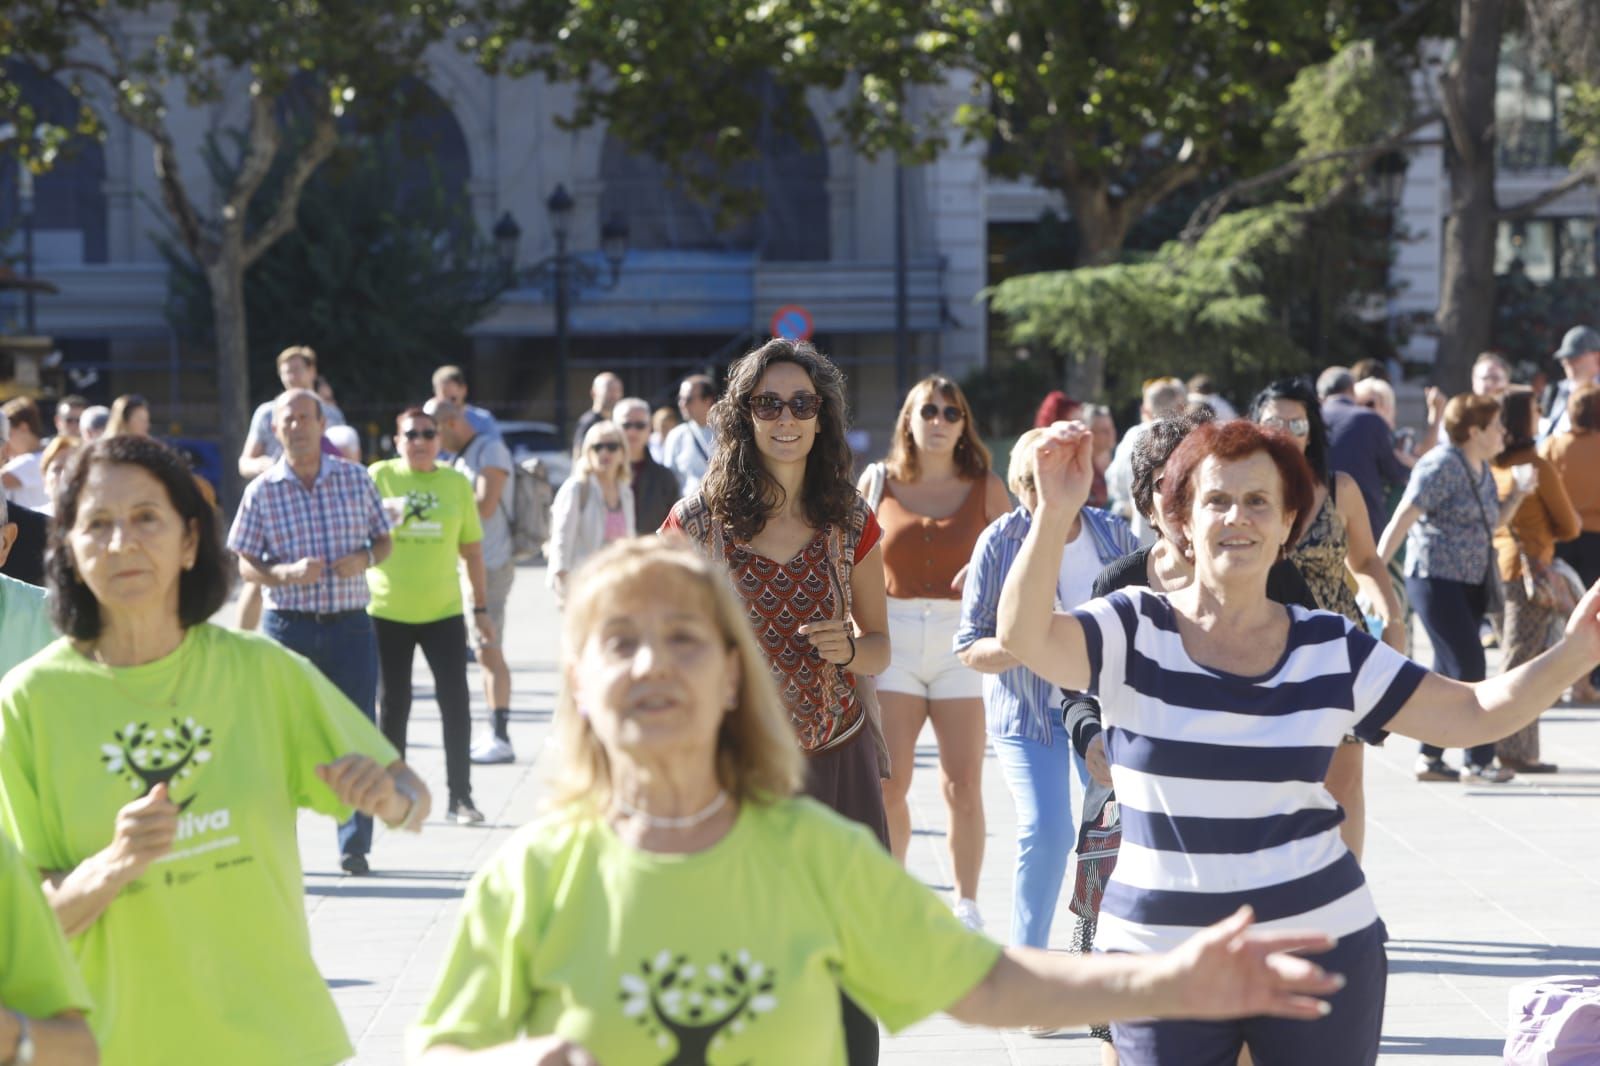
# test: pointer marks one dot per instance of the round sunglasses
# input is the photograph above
(768, 407)
(950, 412)
(1295, 427)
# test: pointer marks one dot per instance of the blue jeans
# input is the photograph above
(1038, 776)
(1450, 612)
(345, 648)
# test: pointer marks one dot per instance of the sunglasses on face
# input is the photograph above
(1295, 427)
(635, 425)
(605, 446)
(949, 412)
(768, 407)
(425, 434)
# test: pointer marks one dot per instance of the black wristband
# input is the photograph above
(852, 658)
(480, 610)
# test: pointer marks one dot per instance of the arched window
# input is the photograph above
(69, 201)
(791, 173)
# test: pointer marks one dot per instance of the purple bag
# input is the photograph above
(1555, 1021)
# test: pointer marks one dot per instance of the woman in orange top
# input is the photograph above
(1544, 518)
(934, 496)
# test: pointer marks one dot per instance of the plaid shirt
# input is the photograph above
(281, 521)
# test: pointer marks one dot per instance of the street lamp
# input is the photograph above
(566, 274)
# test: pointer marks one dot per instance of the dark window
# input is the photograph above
(69, 212)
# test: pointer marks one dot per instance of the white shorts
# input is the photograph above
(920, 660)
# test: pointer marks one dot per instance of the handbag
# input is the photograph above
(1098, 844)
(1494, 593)
(1543, 587)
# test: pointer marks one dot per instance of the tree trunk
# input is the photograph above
(1466, 300)
(1102, 227)
(225, 277)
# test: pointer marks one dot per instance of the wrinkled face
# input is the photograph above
(1289, 416)
(1489, 378)
(656, 675)
(452, 431)
(1237, 525)
(298, 425)
(936, 423)
(417, 441)
(296, 373)
(634, 421)
(786, 438)
(128, 543)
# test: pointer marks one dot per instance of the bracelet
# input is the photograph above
(404, 821)
(852, 658)
(372, 560)
(480, 610)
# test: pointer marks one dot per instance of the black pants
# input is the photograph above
(1450, 611)
(444, 645)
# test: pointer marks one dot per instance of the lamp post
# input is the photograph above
(566, 274)
(25, 208)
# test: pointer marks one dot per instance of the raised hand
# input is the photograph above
(1227, 971)
(1583, 625)
(1063, 465)
(145, 830)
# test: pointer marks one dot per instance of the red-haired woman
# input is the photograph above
(933, 497)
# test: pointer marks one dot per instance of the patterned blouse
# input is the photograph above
(1451, 539)
(1320, 558)
(780, 597)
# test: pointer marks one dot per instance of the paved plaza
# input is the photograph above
(1481, 886)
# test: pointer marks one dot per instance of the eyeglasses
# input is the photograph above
(635, 425)
(1295, 427)
(950, 412)
(425, 434)
(768, 407)
(605, 446)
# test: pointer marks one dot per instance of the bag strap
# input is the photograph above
(1477, 496)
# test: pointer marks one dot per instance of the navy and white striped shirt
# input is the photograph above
(1220, 777)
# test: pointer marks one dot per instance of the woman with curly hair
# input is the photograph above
(934, 495)
(778, 509)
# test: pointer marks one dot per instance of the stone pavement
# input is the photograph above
(1481, 886)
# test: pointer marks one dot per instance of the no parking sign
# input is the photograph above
(792, 322)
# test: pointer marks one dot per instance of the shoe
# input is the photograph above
(462, 812)
(967, 911)
(1489, 775)
(1529, 767)
(493, 750)
(355, 865)
(1435, 770)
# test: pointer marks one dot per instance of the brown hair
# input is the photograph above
(122, 409)
(297, 351)
(757, 760)
(1466, 412)
(1229, 442)
(1583, 407)
(412, 412)
(22, 411)
(972, 458)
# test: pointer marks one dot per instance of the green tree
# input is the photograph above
(387, 273)
(338, 55)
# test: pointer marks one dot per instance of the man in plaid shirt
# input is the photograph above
(306, 531)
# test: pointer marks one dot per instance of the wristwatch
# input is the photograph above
(23, 1056)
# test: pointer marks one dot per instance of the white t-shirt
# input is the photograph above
(25, 468)
(1080, 563)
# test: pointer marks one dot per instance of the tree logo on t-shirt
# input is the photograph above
(419, 505)
(676, 1001)
(147, 756)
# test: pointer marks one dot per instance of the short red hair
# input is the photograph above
(1231, 441)
(1057, 407)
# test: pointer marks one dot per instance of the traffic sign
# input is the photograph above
(792, 322)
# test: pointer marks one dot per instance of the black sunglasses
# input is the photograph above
(635, 425)
(950, 411)
(425, 434)
(768, 407)
(605, 446)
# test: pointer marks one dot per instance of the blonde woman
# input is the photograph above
(933, 497)
(595, 505)
(635, 921)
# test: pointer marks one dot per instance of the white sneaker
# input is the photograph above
(967, 911)
(493, 750)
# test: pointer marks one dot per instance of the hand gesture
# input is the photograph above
(1063, 466)
(307, 571)
(1226, 971)
(1435, 399)
(829, 639)
(1095, 759)
(145, 830)
(352, 565)
(959, 582)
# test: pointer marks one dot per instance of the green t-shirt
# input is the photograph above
(24, 622)
(38, 975)
(735, 954)
(437, 513)
(207, 957)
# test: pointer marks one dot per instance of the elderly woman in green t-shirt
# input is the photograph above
(416, 597)
(153, 765)
(682, 900)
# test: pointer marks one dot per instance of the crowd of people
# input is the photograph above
(1200, 625)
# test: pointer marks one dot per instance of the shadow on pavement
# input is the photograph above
(1489, 958)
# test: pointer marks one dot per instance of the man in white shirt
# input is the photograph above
(690, 444)
(21, 475)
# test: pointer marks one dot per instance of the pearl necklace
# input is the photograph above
(687, 821)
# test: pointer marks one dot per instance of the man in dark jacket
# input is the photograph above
(1360, 443)
(655, 488)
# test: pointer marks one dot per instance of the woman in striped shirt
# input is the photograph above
(1223, 710)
